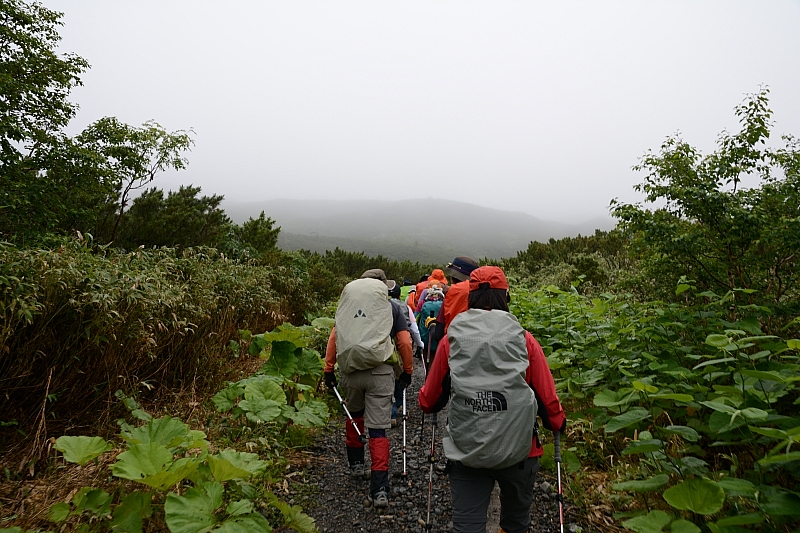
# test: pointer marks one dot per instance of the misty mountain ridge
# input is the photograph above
(427, 230)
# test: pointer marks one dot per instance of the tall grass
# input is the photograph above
(79, 323)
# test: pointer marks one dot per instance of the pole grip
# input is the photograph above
(557, 446)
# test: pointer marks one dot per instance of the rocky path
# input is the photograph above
(339, 504)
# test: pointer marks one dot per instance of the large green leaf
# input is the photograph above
(128, 515)
(742, 519)
(652, 522)
(684, 431)
(643, 446)
(194, 511)
(311, 413)
(609, 398)
(282, 359)
(231, 464)
(260, 410)
(737, 487)
(645, 485)
(266, 389)
(142, 460)
(629, 418)
(699, 495)
(309, 363)
(225, 400)
(81, 450)
(293, 516)
(780, 458)
(683, 526)
(780, 503)
(718, 341)
(152, 465)
(250, 523)
(166, 431)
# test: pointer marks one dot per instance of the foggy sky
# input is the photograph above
(540, 107)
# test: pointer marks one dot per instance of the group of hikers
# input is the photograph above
(476, 357)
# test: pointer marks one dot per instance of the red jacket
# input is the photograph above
(435, 394)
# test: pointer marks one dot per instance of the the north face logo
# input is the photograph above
(487, 401)
(360, 314)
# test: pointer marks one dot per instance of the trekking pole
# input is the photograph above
(557, 447)
(432, 460)
(404, 475)
(361, 437)
(424, 377)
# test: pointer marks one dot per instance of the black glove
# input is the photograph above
(405, 379)
(330, 380)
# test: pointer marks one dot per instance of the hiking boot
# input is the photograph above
(394, 422)
(380, 500)
(359, 471)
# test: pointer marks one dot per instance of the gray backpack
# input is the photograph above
(363, 326)
(492, 408)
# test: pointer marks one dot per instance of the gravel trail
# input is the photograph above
(339, 504)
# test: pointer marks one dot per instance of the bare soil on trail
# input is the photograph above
(339, 503)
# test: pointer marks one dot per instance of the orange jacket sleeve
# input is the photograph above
(330, 352)
(404, 349)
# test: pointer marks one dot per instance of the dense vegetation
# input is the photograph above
(673, 338)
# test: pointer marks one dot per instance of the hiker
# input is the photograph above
(496, 374)
(394, 295)
(407, 287)
(427, 319)
(458, 270)
(436, 279)
(414, 295)
(361, 340)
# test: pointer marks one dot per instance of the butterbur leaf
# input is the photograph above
(239, 507)
(250, 523)
(95, 501)
(178, 471)
(128, 515)
(699, 495)
(282, 359)
(59, 512)
(737, 487)
(225, 400)
(643, 446)
(683, 526)
(141, 460)
(645, 485)
(260, 410)
(167, 431)
(248, 462)
(684, 431)
(293, 516)
(635, 415)
(81, 450)
(609, 398)
(740, 520)
(780, 503)
(312, 413)
(309, 363)
(265, 389)
(718, 341)
(194, 511)
(652, 522)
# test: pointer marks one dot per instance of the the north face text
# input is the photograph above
(360, 314)
(487, 401)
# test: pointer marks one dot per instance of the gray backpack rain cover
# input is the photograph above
(363, 325)
(492, 408)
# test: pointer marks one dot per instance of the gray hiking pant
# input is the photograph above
(471, 489)
(372, 391)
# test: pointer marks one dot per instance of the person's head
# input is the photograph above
(460, 268)
(488, 289)
(377, 273)
(435, 293)
(394, 292)
(407, 282)
(423, 277)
